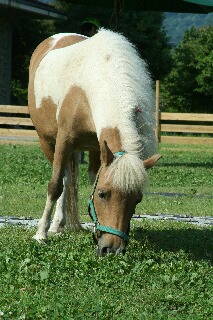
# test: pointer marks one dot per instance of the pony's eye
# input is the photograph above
(102, 194)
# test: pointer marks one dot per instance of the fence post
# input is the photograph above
(157, 111)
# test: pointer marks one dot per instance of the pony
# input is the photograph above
(93, 94)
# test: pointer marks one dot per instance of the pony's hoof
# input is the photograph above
(55, 229)
(40, 238)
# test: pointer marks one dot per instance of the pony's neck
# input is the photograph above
(112, 137)
(125, 139)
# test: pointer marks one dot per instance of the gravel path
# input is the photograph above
(201, 221)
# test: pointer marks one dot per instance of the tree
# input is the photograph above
(189, 85)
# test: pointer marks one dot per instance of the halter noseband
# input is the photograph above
(92, 212)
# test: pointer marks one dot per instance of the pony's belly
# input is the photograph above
(86, 141)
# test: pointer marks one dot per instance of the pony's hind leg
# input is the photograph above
(55, 186)
(72, 217)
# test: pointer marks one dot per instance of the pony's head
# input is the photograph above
(116, 192)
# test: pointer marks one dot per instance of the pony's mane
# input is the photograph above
(127, 174)
(130, 89)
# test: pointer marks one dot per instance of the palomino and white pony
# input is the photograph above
(93, 94)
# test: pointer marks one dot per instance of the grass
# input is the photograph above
(166, 273)
(25, 172)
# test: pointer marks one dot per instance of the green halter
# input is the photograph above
(93, 214)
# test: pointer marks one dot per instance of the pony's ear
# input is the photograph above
(106, 154)
(150, 162)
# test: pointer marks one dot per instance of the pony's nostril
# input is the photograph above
(123, 251)
(105, 250)
(120, 251)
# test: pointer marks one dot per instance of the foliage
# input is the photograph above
(189, 86)
(19, 92)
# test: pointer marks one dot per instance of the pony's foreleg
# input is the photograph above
(55, 186)
(44, 222)
(94, 164)
(59, 219)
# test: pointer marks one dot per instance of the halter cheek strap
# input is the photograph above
(93, 214)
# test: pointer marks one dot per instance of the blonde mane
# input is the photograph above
(127, 174)
(124, 90)
(131, 108)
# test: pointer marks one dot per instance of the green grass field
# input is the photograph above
(24, 174)
(166, 273)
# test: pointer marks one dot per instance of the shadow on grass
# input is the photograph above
(199, 164)
(198, 243)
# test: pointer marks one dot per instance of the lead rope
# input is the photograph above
(92, 212)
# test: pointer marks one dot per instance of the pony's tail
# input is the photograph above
(72, 218)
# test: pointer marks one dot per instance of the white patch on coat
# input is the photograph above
(115, 80)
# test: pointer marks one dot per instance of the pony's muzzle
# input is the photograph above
(108, 243)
